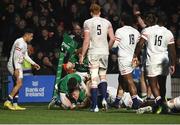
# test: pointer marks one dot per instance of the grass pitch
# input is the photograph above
(39, 114)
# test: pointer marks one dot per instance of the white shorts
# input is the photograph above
(11, 70)
(125, 67)
(157, 69)
(100, 62)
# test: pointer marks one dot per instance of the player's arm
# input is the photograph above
(137, 14)
(111, 36)
(141, 22)
(84, 104)
(137, 51)
(117, 39)
(172, 55)
(66, 103)
(85, 45)
(26, 57)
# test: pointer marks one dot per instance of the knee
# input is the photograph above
(19, 83)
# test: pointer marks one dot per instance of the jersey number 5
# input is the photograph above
(98, 29)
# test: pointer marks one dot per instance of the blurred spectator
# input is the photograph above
(29, 18)
(55, 60)
(46, 67)
(38, 58)
(45, 42)
(77, 33)
(59, 34)
(149, 6)
(73, 15)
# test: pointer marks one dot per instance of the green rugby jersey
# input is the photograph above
(62, 85)
(80, 68)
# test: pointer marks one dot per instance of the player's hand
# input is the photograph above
(134, 62)
(36, 66)
(171, 69)
(136, 11)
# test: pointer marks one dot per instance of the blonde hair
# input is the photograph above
(95, 9)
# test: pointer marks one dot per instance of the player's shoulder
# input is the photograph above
(119, 30)
(104, 19)
(88, 21)
(149, 28)
(19, 39)
(166, 30)
(19, 42)
(169, 34)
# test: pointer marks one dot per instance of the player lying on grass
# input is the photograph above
(71, 95)
(70, 91)
(173, 106)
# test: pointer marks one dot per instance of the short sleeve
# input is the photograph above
(170, 37)
(117, 39)
(85, 26)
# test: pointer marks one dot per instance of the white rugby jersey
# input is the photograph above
(18, 54)
(158, 38)
(98, 29)
(126, 39)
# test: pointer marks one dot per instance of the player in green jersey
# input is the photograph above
(71, 90)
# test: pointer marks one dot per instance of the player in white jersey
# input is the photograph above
(160, 57)
(126, 40)
(95, 42)
(17, 56)
(173, 105)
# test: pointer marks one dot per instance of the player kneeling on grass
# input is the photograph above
(70, 92)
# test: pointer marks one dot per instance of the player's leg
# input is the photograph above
(94, 69)
(162, 86)
(132, 89)
(143, 86)
(155, 90)
(119, 94)
(126, 69)
(9, 102)
(102, 87)
(15, 99)
(18, 83)
(55, 101)
(149, 92)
